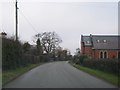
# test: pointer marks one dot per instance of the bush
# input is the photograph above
(11, 54)
(27, 59)
(75, 59)
(107, 65)
(82, 57)
(45, 58)
(26, 47)
(79, 59)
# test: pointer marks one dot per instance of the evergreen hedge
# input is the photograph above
(13, 55)
(107, 65)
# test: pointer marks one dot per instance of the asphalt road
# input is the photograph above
(57, 75)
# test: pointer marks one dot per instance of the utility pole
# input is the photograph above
(16, 18)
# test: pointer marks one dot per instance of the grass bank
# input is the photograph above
(9, 75)
(111, 78)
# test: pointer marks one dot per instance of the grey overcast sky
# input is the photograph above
(68, 18)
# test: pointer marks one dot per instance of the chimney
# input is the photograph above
(91, 39)
(90, 35)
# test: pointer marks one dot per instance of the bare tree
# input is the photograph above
(49, 41)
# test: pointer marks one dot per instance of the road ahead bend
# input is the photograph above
(57, 75)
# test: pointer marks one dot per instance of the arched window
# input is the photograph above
(105, 54)
(101, 54)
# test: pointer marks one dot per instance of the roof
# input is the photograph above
(102, 41)
(87, 41)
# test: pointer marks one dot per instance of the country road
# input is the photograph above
(57, 75)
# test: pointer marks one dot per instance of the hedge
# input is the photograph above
(79, 59)
(13, 55)
(107, 65)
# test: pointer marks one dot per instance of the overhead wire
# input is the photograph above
(28, 21)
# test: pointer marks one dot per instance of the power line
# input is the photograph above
(28, 21)
(16, 12)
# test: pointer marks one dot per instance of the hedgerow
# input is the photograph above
(14, 56)
(107, 65)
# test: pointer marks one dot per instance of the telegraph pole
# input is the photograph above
(16, 18)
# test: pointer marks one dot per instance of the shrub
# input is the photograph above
(107, 65)
(26, 47)
(45, 58)
(11, 54)
(81, 58)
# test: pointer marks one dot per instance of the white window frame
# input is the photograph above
(98, 41)
(105, 41)
(88, 42)
(103, 54)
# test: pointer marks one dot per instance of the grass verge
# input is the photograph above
(111, 78)
(9, 75)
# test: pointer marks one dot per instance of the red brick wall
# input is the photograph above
(87, 50)
(95, 54)
(111, 53)
(82, 48)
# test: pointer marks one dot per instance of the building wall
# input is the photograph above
(110, 53)
(82, 48)
(87, 50)
(113, 54)
(96, 53)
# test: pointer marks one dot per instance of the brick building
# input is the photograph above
(100, 46)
